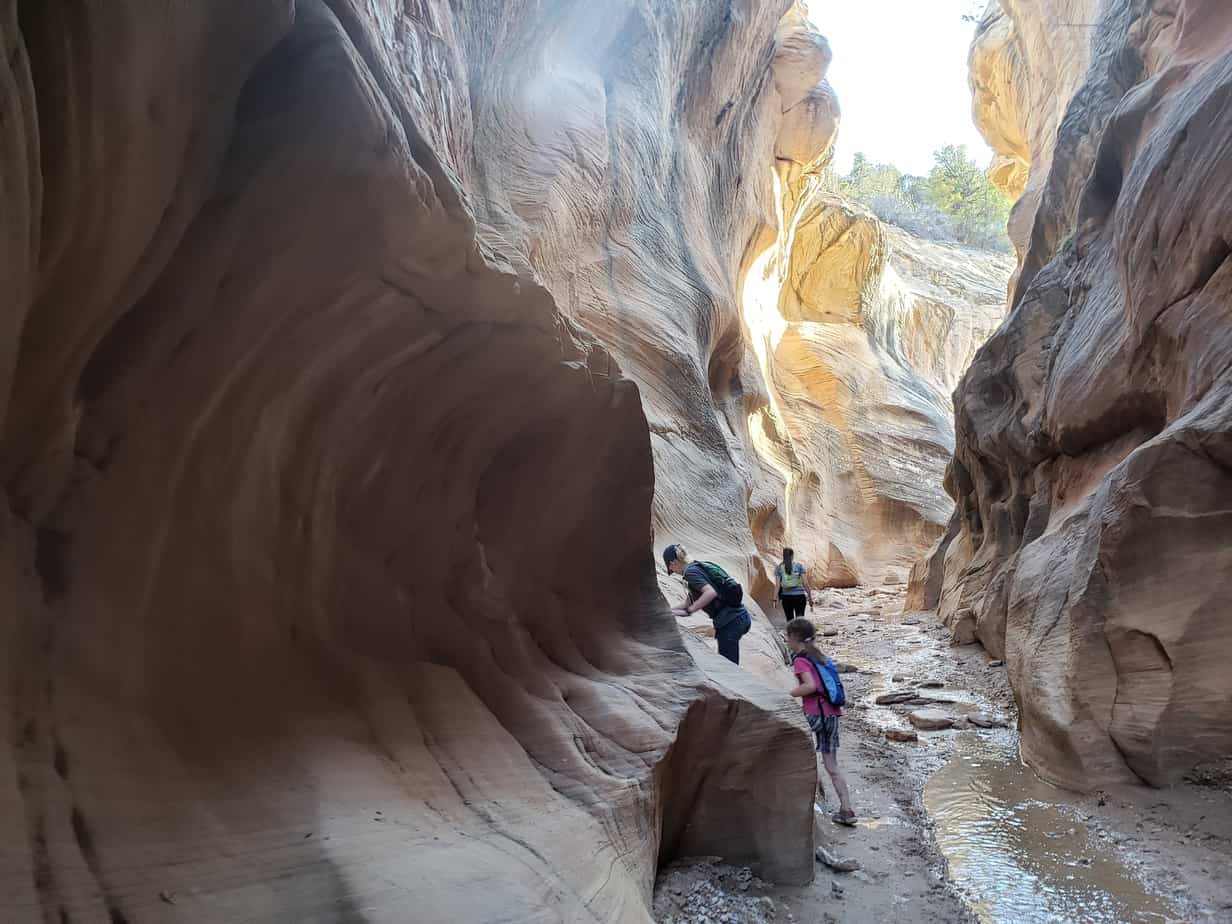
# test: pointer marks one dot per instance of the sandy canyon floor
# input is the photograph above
(953, 828)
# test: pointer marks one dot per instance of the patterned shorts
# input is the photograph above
(825, 727)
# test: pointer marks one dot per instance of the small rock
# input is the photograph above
(931, 684)
(838, 864)
(985, 720)
(836, 890)
(901, 734)
(996, 664)
(930, 719)
(829, 633)
(895, 696)
(844, 668)
(167, 896)
(898, 678)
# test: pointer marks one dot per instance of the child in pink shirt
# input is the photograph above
(822, 715)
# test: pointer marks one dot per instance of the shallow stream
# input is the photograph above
(1018, 849)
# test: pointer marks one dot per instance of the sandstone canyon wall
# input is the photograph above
(856, 334)
(862, 332)
(355, 351)
(1093, 429)
(1027, 60)
(326, 570)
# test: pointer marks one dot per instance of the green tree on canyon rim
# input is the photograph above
(954, 202)
(961, 189)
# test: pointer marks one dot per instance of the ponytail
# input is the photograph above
(803, 630)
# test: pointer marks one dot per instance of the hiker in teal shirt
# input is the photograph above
(721, 603)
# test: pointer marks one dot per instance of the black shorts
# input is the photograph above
(793, 605)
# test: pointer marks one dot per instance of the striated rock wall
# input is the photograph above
(862, 331)
(857, 332)
(355, 353)
(327, 589)
(1091, 470)
(1027, 60)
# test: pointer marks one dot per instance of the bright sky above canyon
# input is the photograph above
(900, 71)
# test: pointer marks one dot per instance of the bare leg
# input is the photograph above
(840, 783)
(821, 786)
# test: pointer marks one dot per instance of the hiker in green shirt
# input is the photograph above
(712, 589)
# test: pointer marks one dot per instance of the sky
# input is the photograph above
(900, 72)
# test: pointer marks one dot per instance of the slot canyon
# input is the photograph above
(359, 356)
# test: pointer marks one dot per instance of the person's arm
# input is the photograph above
(778, 585)
(805, 687)
(708, 593)
(700, 592)
(808, 591)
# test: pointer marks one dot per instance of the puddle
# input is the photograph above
(1017, 850)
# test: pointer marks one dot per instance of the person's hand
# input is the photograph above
(679, 611)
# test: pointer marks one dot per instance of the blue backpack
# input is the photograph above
(828, 673)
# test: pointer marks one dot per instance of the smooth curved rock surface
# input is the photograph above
(327, 589)
(1026, 62)
(1093, 430)
(862, 332)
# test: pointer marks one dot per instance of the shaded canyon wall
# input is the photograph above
(356, 352)
(1091, 473)
(325, 551)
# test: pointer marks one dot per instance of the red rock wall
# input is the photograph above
(325, 569)
(1091, 472)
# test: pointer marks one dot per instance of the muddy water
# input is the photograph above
(1019, 852)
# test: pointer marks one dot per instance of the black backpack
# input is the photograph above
(727, 587)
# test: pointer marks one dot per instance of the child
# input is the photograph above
(821, 714)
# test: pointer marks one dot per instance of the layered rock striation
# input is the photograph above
(1091, 470)
(327, 589)
(355, 352)
(856, 332)
(1027, 60)
(862, 331)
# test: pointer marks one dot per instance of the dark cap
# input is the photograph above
(670, 554)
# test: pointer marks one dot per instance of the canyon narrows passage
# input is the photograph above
(357, 354)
